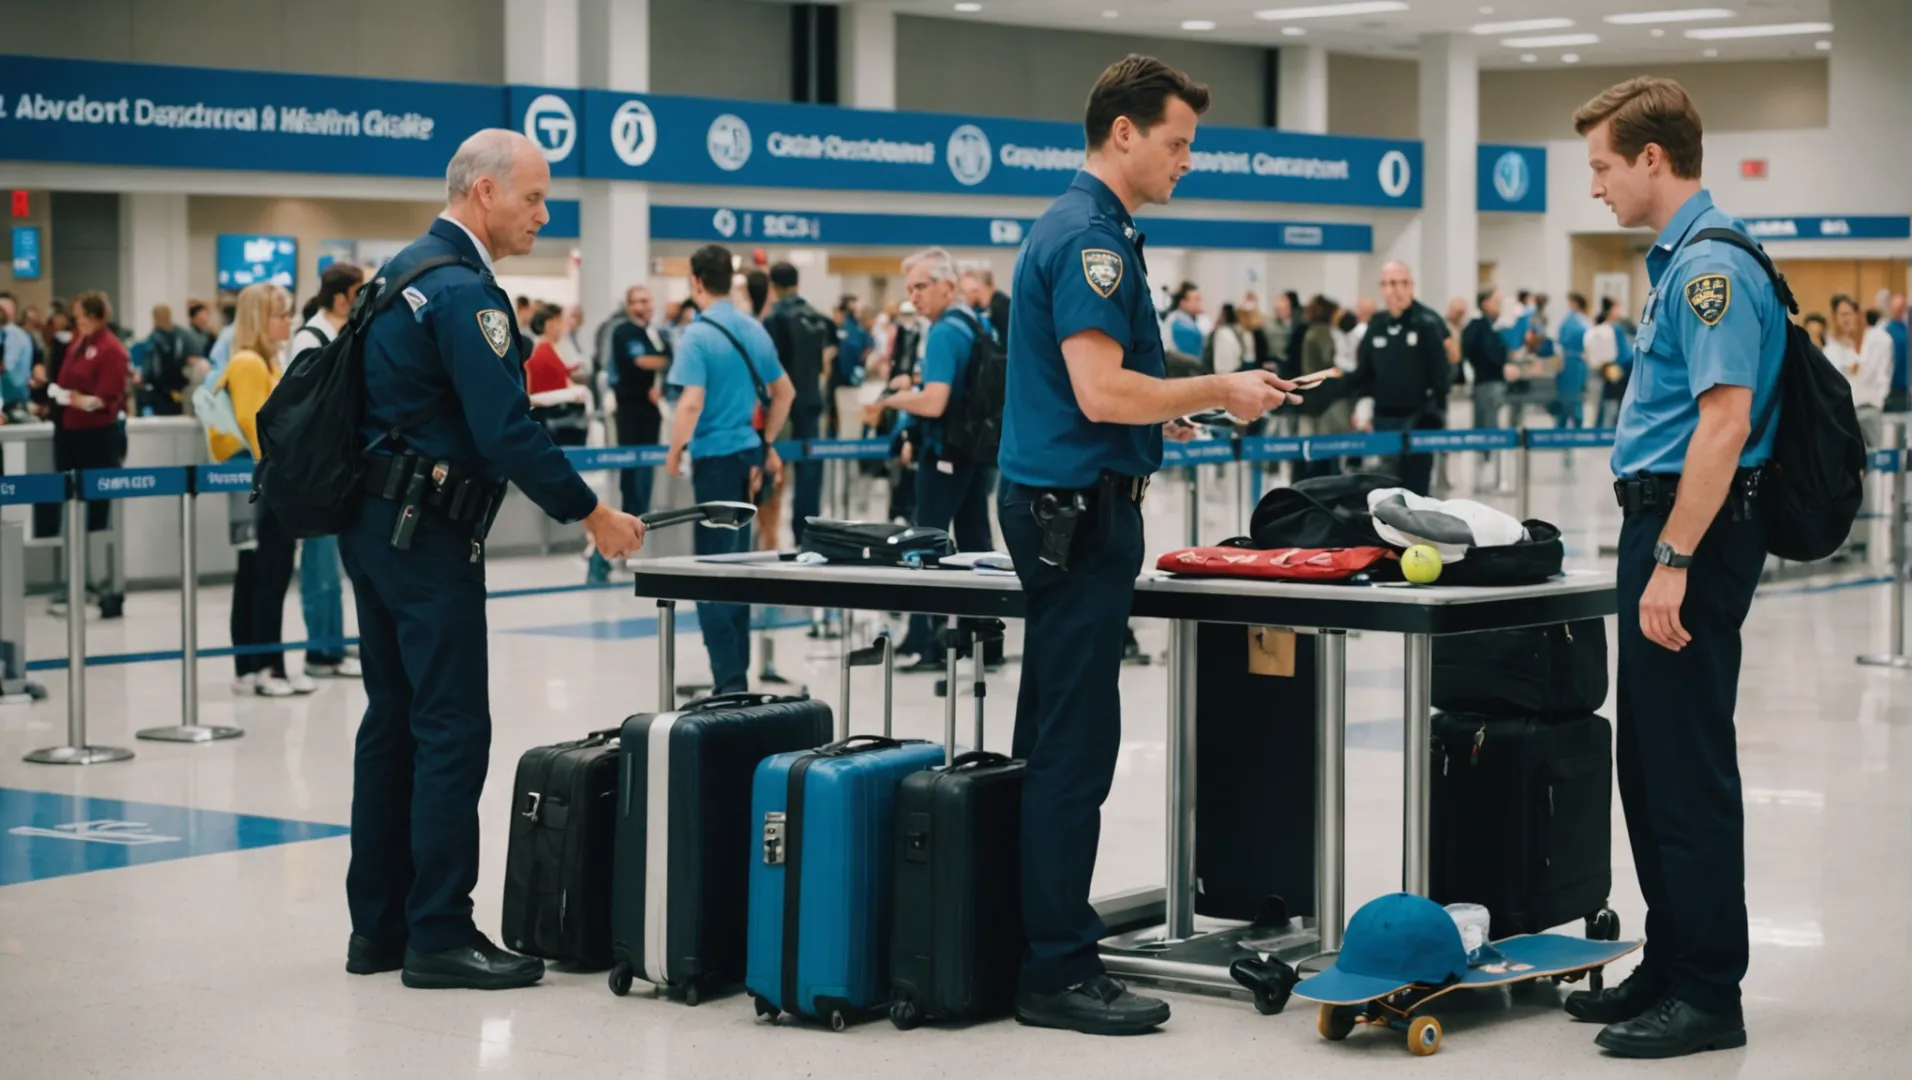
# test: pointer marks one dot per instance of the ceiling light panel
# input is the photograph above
(1521, 26)
(1648, 18)
(1725, 33)
(1332, 11)
(1551, 41)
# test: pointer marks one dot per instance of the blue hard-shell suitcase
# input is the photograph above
(820, 879)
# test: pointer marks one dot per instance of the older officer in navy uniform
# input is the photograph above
(1082, 431)
(1696, 427)
(447, 422)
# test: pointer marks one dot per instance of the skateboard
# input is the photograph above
(1526, 958)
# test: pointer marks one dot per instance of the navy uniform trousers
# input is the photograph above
(425, 742)
(1678, 764)
(1068, 725)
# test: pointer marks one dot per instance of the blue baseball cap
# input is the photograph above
(1393, 942)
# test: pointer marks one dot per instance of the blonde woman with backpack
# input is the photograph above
(262, 326)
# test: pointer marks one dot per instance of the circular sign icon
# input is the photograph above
(1511, 177)
(1395, 174)
(633, 133)
(549, 123)
(725, 222)
(968, 155)
(728, 142)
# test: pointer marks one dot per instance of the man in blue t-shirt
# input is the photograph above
(726, 369)
(1894, 323)
(949, 487)
(1185, 320)
(1570, 385)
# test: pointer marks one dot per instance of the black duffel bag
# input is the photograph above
(874, 543)
(1557, 670)
(1529, 562)
(1319, 512)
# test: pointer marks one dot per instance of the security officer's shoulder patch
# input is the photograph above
(1103, 270)
(1709, 295)
(497, 330)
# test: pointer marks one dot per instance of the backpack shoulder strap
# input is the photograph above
(1746, 244)
(389, 292)
(763, 392)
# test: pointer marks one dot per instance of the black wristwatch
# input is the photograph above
(1666, 555)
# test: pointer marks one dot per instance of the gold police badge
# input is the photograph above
(497, 330)
(1709, 295)
(1103, 269)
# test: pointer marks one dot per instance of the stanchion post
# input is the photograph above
(1331, 705)
(1179, 893)
(666, 656)
(1523, 476)
(1894, 656)
(76, 751)
(189, 728)
(1194, 499)
(1416, 727)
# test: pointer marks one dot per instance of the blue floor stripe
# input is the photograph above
(1826, 587)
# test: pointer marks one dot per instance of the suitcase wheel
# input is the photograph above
(904, 1014)
(691, 996)
(1603, 925)
(838, 1021)
(112, 605)
(764, 1008)
(620, 979)
(1270, 980)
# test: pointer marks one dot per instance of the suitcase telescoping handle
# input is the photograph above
(858, 744)
(961, 635)
(739, 700)
(881, 651)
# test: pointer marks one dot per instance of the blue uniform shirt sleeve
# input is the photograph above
(1094, 279)
(491, 393)
(1722, 349)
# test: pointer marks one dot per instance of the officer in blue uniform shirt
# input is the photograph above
(447, 422)
(949, 487)
(1696, 426)
(732, 391)
(1083, 423)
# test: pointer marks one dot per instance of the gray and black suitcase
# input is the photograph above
(680, 890)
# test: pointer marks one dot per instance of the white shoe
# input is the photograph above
(300, 684)
(273, 686)
(246, 684)
(347, 668)
(57, 607)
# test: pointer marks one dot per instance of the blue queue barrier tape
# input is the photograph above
(848, 450)
(1568, 438)
(1198, 452)
(1271, 448)
(1885, 461)
(98, 485)
(214, 479)
(29, 488)
(1438, 439)
(1354, 444)
(599, 458)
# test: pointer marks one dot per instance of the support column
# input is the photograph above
(1868, 84)
(614, 52)
(541, 42)
(868, 39)
(1450, 130)
(154, 266)
(1301, 96)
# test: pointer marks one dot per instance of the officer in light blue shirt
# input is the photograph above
(732, 391)
(16, 357)
(1184, 322)
(1083, 422)
(1570, 385)
(1696, 425)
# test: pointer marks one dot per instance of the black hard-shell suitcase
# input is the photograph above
(1521, 820)
(1559, 669)
(956, 939)
(558, 866)
(681, 886)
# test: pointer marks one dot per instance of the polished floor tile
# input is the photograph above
(229, 964)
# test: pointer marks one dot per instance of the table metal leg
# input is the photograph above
(1418, 668)
(1180, 882)
(1331, 714)
(666, 655)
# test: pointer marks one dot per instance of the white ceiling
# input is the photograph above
(1395, 34)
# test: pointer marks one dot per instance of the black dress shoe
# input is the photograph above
(1639, 992)
(477, 966)
(924, 664)
(1101, 1006)
(370, 956)
(1673, 1028)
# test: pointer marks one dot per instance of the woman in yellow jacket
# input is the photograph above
(261, 327)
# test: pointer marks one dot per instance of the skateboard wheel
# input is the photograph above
(1334, 1022)
(1603, 925)
(1423, 1036)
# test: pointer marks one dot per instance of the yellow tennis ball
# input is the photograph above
(1421, 564)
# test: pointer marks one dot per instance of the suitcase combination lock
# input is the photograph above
(773, 839)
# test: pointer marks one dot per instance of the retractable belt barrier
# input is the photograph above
(185, 483)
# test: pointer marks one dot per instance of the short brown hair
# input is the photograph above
(94, 305)
(1646, 110)
(1137, 87)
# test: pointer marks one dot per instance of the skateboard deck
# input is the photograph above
(1527, 956)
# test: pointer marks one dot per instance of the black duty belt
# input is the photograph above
(1654, 493)
(444, 489)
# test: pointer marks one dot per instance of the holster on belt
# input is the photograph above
(1655, 494)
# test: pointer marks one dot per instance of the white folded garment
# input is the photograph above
(1450, 526)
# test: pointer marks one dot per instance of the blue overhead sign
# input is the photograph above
(144, 114)
(26, 252)
(1511, 179)
(684, 140)
(1830, 228)
(247, 260)
(723, 224)
(548, 116)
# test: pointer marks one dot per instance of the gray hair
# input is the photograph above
(942, 265)
(490, 152)
(980, 271)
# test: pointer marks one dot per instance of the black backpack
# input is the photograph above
(810, 332)
(1810, 493)
(311, 452)
(972, 427)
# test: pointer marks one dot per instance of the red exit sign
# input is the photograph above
(1752, 168)
(20, 204)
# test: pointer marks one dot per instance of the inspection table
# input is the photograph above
(1172, 952)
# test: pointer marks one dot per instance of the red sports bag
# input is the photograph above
(1286, 564)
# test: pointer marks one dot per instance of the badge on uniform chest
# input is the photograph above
(497, 330)
(1103, 269)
